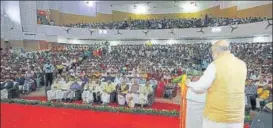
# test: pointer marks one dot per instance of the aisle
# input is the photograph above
(23, 116)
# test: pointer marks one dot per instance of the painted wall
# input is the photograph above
(11, 43)
(163, 7)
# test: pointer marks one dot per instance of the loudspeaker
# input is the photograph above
(263, 119)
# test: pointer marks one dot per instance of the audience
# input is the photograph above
(167, 23)
(126, 74)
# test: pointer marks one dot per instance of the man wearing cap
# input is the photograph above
(224, 81)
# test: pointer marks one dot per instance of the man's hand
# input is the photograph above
(187, 81)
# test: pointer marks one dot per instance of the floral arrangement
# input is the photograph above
(90, 107)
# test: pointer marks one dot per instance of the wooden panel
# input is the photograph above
(66, 18)
(43, 45)
(228, 12)
(55, 16)
(31, 45)
(259, 11)
(2, 44)
(119, 16)
(16, 43)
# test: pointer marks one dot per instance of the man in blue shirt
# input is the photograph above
(48, 70)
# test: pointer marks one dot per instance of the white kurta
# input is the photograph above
(87, 95)
(66, 92)
(105, 97)
(201, 86)
(4, 94)
(195, 107)
(135, 99)
(54, 93)
(121, 99)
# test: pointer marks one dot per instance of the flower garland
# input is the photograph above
(173, 113)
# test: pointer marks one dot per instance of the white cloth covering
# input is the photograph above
(211, 124)
(105, 97)
(87, 96)
(194, 114)
(121, 100)
(4, 94)
(134, 100)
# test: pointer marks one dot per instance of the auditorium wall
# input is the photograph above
(118, 16)
(258, 11)
(261, 11)
(28, 45)
(55, 16)
(11, 43)
(31, 45)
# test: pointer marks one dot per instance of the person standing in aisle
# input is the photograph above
(48, 70)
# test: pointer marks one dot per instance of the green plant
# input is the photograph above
(94, 108)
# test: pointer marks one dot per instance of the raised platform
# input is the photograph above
(28, 116)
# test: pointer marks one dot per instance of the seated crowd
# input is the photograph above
(23, 73)
(129, 74)
(168, 23)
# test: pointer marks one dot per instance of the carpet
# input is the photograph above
(155, 105)
(26, 116)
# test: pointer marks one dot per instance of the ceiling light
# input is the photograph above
(89, 3)
(140, 9)
(189, 7)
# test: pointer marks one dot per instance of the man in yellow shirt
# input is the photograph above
(224, 81)
(107, 90)
(60, 68)
(264, 95)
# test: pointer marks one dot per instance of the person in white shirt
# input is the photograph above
(117, 79)
(195, 106)
(55, 89)
(89, 89)
(97, 92)
(48, 70)
(66, 94)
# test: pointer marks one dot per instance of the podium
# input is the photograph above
(183, 106)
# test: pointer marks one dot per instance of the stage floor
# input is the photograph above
(26, 116)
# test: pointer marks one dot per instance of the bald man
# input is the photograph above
(224, 82)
